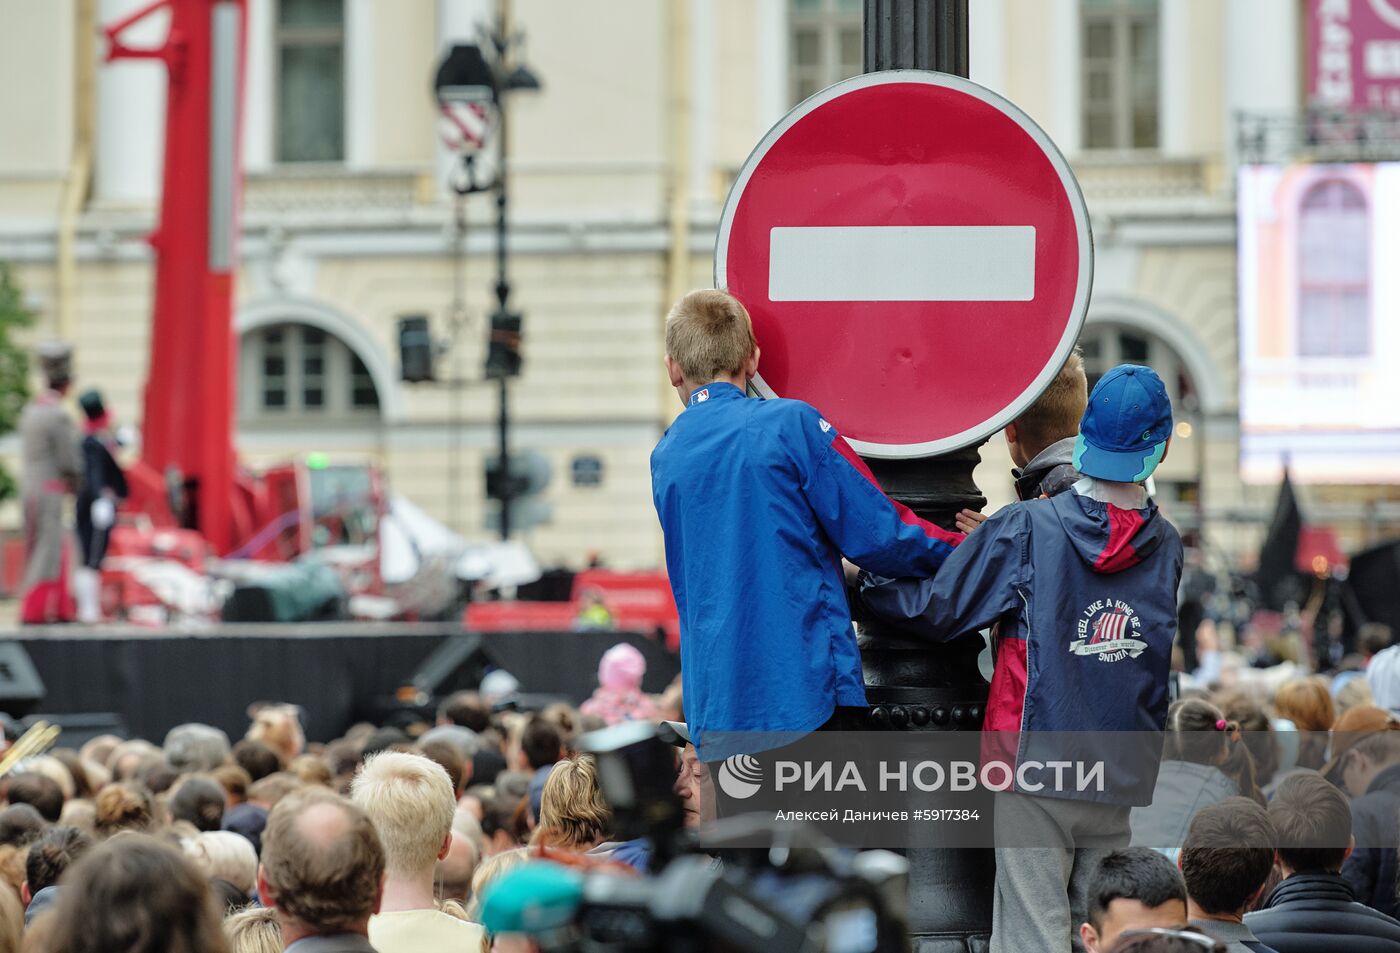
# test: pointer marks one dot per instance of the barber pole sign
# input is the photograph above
(916, 257)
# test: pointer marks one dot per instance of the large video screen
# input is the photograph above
(1319, 302)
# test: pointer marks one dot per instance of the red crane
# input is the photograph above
(186, 475)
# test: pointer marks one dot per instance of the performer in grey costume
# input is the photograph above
(51, 464)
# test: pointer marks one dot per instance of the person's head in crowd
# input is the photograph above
(56, 771)
(1126, 430)
(256, 758)
(387, 738)
(195, 747)
(254, 930)
(123, 806)
(278, 727)
(223, 855)
(247, 821)
(466, 709)
(573, 814)
(498, 822)
(343, 755)
(1307, 702)
(130, 759)
(1372, 638)
(460, 737)
(1054, 416)
(1199, 733)
(1133, 888)
(1352, 693)
(540, 743)
(1256, 731)
(234, 780)
(709, 338)
(49, 857)
(1226, 858)
(411, 801)
(453, 874)
(38, 791)
(20, 825)
(160, 777)
(1313, 821)
(1365, 742)
(199, 800)
(322, 866)
(487, 765)
(496, 686)
(489, 871)
(445, 755)
(134, 894)
(273, 788)
(311, 769)
(565, 718)
(78, 771)
(99, 750)
(1162, 940)
(80, 814)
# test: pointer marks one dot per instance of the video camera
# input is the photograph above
(800, 893)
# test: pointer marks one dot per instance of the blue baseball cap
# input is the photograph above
(1126, 426)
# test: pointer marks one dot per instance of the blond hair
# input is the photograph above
(254, 930)
(709, 335)
(278, 727)
(224, 855)
(411, 802)
(491, 870)
(573, 814)
(1057, 412)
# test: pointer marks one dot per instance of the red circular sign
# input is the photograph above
(916, 257)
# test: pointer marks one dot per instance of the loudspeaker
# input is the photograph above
(76, 730)
(21, 688)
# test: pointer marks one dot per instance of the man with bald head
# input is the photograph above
(322, 871)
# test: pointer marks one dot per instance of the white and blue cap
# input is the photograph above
(1126, 426)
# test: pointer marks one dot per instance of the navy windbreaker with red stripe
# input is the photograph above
(759, 499)
(1085, 593)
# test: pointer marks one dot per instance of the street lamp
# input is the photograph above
(472, 93)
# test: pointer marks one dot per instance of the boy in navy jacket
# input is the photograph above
(759, 500)
(1083, 586)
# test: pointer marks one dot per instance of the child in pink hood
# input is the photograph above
(619, 696)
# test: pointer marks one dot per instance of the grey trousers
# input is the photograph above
(1047, 849)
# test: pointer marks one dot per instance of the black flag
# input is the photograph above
(1277, 577)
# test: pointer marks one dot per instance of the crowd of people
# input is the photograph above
(382, 840)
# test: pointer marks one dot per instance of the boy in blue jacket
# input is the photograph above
(759, 500)
(1083, 586)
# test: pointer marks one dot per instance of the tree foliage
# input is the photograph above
(14, 363)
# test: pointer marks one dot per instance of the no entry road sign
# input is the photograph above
(916, 256)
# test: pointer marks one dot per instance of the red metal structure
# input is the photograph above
(186, 475)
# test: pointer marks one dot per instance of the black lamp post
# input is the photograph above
(467, 76)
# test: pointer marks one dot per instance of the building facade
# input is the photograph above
(619, 167)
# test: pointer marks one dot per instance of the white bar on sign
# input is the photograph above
(902, 263)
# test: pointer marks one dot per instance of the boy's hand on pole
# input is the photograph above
(966, 520)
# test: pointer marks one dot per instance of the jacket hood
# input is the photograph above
(1059, 452)
(1108, 539)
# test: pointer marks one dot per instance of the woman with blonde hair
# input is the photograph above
(573, 814)
(1307, 702)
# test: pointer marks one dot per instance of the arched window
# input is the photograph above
(1105, 346)
(1334, 271)
(289, 371)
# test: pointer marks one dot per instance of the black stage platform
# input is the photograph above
(339, 673)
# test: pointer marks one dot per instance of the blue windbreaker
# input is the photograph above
(1085, 594)
(759, 499)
